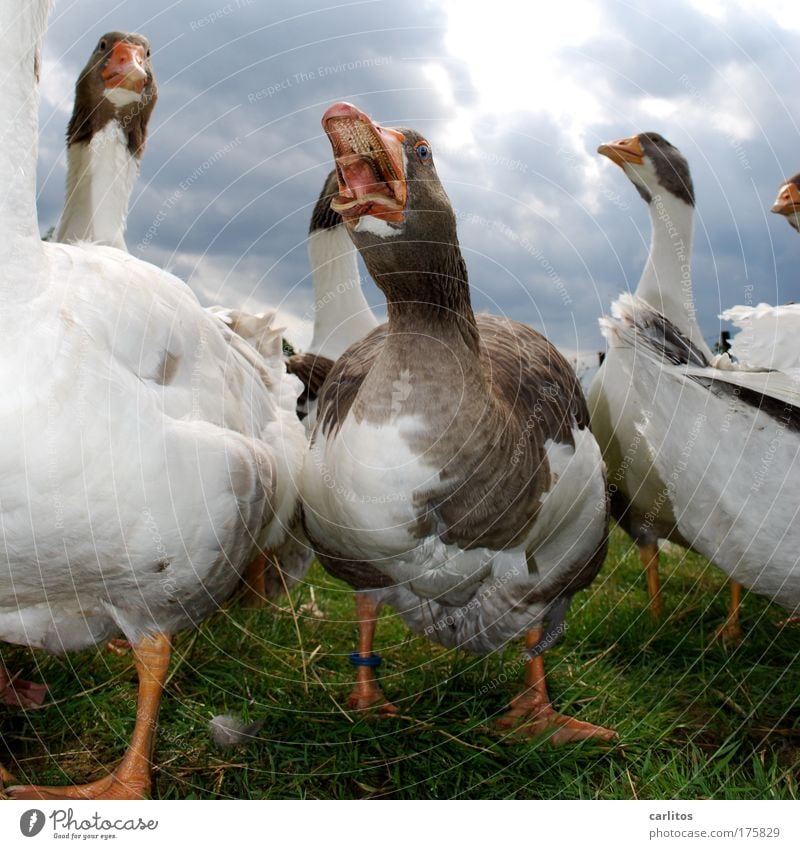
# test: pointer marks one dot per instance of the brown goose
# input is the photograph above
(451, 472)
(114, 99)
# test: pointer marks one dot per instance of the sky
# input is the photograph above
(514, 99)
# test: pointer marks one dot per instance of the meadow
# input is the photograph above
(696, 718)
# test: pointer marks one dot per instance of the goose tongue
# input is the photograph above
(125, 67)
(370, 165)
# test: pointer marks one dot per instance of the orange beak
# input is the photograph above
(623, 150)
(125, 67)
(788, 200)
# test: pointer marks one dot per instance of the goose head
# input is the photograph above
(390, 198)
(653, 165)
(117, 82)
(787, 203)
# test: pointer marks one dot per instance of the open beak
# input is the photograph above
(788, 200)
(370, 165)
(623, 150)
(125, 67)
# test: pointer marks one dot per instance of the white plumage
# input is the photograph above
(727, 445)
(767, 336)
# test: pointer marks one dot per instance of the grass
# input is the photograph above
(696, 719)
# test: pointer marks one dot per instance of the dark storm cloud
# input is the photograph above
(236, 155)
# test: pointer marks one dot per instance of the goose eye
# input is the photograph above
(103, 44)
(423, 151)
(148, 52)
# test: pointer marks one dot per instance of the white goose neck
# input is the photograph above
(100, 178)
(666, 283)
(21, 33)
(341, 312)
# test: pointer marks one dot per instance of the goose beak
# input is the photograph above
(788, 200)
(370, 165)
(623, 150)
(125, 67)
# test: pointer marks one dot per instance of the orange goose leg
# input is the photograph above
(367, 693)
(731, 629)
(531, 713)
(648, 554)
(18, 693)
(131, 779)
(254, 579)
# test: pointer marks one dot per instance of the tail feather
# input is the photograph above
(635, 324)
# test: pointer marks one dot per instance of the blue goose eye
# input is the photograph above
(423, 151)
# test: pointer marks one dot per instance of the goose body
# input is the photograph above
(147, 451)
(685, 433)
(152, 437)
(734, 464)
(451, 471)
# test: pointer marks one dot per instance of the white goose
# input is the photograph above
(712, 453)
(451, 471)
(342, 315)
(114, 99)
(767, 336)
(661, 176)
(146, 450)
(115, 96)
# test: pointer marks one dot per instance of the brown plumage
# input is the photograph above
(311, 370)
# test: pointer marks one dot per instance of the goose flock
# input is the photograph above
(444, 464)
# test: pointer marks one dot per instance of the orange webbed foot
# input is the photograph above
(530, 716)
(110, 787)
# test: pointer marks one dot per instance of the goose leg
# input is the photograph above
(531, 713)
(367, 693)
(18, 693)
(255, 585)
(731, 628)
(649, 556)
(131, 779)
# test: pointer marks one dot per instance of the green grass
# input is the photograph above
(695, 719)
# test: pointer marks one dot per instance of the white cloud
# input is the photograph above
(523, 66)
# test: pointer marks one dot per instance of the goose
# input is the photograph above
(114, 98)
(147, 451)
(451, 472)
(115, 95)
(767, 334)
(661, 175)
(342, 315)
(733, 464)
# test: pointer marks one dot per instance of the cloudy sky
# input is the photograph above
(514, 104)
